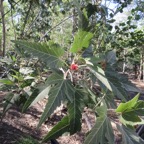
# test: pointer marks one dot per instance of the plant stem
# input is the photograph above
(100, 100)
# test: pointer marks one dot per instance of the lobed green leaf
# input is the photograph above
(124, 107)
(49, 53)
(60, 91)
(81, 40)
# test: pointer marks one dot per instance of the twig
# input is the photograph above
(100, 100)
(66, 73)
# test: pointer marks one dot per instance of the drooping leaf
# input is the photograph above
(44, 93)
(129, 136)
(58, 130)
(75, 113)
(118, 90)
(61, 90)
(49, 53)
(30, 99)
(115, 83)
(99, 73)
(39, 93)
(119, 83)
(82, 40)
(110, 80)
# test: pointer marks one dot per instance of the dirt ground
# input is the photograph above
(16, 124)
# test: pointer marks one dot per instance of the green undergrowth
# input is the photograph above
(27, 140)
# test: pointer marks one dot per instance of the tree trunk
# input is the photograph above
(136, 70)
(3, 29)
(141, 73)
(124, 63)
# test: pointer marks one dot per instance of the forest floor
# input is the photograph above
(16, 124)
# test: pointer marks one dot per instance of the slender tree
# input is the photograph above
(3, 45)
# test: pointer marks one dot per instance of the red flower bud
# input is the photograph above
(73, 66)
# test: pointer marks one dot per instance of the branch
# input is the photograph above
(26, 18)
(9, 10)
(55, 27)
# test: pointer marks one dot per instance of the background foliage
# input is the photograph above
(49, 37)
